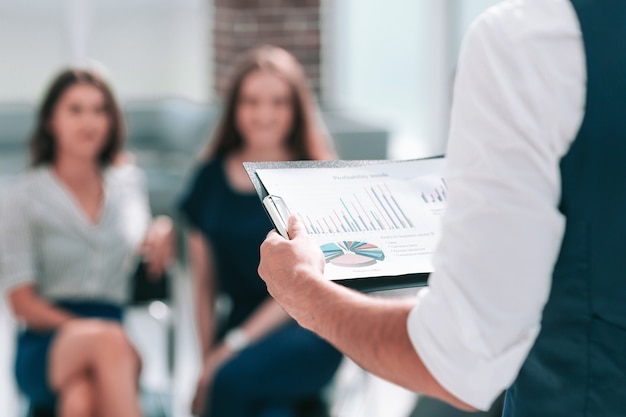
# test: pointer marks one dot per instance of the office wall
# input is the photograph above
(149, 47)
(470, 9)
(393, 63)
(373, 64)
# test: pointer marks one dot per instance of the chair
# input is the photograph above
(312, 407)
(41, 412)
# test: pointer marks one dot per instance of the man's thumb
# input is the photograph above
(295, 227)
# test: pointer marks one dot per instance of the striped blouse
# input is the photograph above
(46, 239)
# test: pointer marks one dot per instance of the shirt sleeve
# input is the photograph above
(142, 200)
(133, 192)
(17, 264)
(518, 103)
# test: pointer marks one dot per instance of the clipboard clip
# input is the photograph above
(279, 213)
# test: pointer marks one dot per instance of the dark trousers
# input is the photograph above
(430, 407)
(274, 376)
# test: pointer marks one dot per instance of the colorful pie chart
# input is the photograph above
(350, 254)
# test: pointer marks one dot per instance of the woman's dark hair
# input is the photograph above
(43, 147)
(306, 139)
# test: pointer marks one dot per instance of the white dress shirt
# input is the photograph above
(518, 104)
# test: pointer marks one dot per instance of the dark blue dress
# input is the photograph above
(289, 365)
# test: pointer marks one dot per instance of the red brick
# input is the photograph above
(242, 24)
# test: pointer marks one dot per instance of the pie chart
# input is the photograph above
(350, 254)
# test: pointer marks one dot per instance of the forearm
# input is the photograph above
(204, 289)
(205, 321)
(35, 312)
(371, 331)
(204, 306)
(268, 317)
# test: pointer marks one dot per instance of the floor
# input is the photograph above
(168, 390)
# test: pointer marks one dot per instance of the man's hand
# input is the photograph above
(371, 331)
(291, 267)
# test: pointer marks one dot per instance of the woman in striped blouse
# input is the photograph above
(71, 228)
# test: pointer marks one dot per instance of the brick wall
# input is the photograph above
(242, 24)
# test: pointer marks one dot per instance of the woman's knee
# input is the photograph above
(112, 341)
(113, 346)
(76, 399)
(86, 346)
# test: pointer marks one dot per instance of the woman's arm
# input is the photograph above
(34, 311)
(159, 246)
(266, 318)
(204, 288)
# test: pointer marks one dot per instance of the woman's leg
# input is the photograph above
(287, 366)
(77, 399)
(101, 350)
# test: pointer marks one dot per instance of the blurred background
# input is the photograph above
(382, 71)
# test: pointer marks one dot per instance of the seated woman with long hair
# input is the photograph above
(71, 228)
(257, 362)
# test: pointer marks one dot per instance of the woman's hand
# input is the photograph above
(159, 246)
(212, 363)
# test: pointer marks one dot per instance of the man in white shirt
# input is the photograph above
(519, 103)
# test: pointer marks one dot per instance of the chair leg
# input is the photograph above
(41, 412)
(312, 407)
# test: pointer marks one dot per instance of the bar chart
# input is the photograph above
(335, 202)
(438, 194)
(371, 208)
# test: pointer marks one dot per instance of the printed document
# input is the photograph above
(369, 221)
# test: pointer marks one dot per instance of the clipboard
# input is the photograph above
(367, 284)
